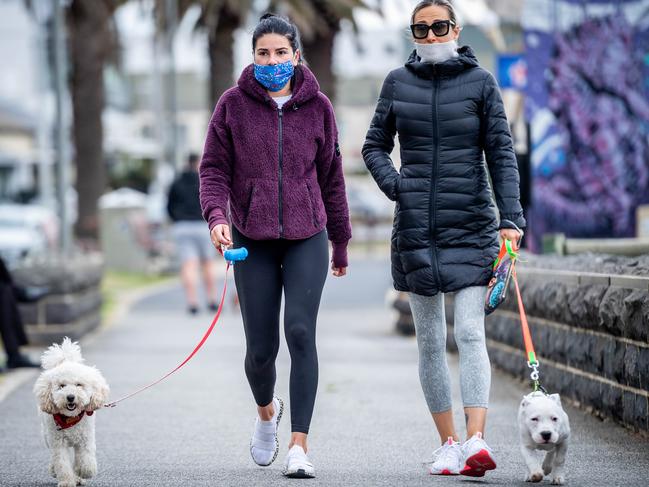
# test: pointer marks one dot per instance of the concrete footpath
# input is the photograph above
(370, 427)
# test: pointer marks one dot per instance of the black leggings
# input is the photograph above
(299, 267)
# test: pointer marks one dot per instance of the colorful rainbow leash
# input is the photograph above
(231, 256)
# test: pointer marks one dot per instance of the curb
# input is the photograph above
(12, 379)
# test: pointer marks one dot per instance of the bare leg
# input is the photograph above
(476, 419)
(209, 279)
(298, 439)
(445, 426)
(189, 276)
(266, 412)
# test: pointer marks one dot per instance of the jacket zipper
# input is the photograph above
(433, 187)
(280, 113)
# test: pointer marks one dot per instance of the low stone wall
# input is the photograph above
(72, 304)
(589, 319)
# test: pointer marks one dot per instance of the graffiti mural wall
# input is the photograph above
(588, 106)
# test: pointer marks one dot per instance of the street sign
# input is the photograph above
(512, 71)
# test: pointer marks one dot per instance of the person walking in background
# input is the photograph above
(193, 244)
(273, 167)
(12, 330)
(447, 111)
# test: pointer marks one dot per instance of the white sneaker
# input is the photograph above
(297, 464)
(447, 459)
(478, 457)
(264, 445)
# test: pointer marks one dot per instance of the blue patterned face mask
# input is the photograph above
(274, 78)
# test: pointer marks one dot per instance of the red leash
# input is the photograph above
(189, 357)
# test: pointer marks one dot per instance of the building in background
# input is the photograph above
(26, 106)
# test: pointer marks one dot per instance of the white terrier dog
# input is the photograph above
(544, 425)
(68, 392)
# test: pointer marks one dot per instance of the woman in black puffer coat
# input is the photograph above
(449, 116)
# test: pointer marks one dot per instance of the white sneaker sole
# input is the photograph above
(279, 417)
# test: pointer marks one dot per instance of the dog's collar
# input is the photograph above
(65, 422)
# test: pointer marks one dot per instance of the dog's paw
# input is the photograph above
(81, 481)
(534, 477)
(558, 480)
(86, 467)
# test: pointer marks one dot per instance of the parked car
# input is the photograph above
(26, 230)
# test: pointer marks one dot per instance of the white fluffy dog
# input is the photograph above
(544, 425)
(68, 392)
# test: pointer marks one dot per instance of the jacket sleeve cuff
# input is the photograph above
(512, 222)
(339, 253)
(216, 217)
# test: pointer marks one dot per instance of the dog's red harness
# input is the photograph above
(65, 422)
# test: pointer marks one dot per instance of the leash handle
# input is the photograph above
(189, 357)
(235, 255)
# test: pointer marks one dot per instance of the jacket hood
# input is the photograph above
(305, 85)
(465, 60)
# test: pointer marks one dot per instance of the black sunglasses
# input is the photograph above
(440, 28)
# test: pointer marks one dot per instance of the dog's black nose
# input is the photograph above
(70, 398)
(546, 435)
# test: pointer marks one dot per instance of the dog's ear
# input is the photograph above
(100, 391)
(43, 392)
(556, 398)
(525, 402)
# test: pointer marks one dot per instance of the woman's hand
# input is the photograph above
(512, 235)
(338, 271)
(220, 235)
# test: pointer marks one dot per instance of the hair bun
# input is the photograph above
(267, 15)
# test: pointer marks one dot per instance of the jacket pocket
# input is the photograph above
(313, 203)
(252, 190)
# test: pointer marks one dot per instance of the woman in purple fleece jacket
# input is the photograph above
(272, 167)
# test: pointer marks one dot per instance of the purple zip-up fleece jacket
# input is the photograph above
(278, 171)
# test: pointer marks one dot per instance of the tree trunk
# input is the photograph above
(220, 46)
(318, 53)
(88, 25)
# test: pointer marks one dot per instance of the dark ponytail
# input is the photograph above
(270, 23)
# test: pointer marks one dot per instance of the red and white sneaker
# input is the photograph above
(447, 459)
(478, 457)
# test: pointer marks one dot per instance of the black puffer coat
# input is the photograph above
(445, 235)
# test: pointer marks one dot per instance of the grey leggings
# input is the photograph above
(475, 369)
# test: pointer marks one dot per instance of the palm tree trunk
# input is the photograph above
(221, 55)
(88, 25)
(318, 53)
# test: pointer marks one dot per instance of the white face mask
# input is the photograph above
(437, 52)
